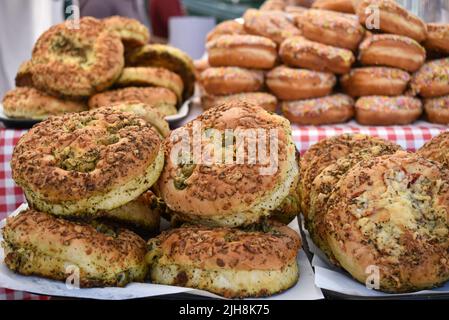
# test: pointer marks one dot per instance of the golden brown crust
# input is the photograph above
(246, 51)
(131, 31)
(24, 76)
(41, 244)
(160, 98)
(437, 37)
(77, 62)
(324, 153)
(437, 149)
(153, 77)
(392, 212)
(394, 19)
(230, 80)
(80, 155)
(331, 28)
(432, 80)
(336, 108)
(30, 103)
(323, 187)
(226, 27)
(261, 99)
(271, 24)
(437, 110)
(392, 51)
(228, 248)
(228, 194)
(270, 5)
(334, 5)
(294, 84)
(300, 52)
(387, 111)
(371, 81)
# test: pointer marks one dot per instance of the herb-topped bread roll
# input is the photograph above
(437, 149)
(391, 212)
(229, 262)
(237, 189)
(41, 244)
(86, 162)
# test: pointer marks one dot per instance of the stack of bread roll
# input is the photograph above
(378, 211)
(331, 67)
(103, 62)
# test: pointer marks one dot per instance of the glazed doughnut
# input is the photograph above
(148, 113)
(229, 80)
(131, 31)
(437, 110)
(324, 153)
(437, 149)
(201, 65)
(30, 103)
(225, 261)
(334, 5)
(394, 19)
(294, 84)
(331, 28)
(261, 99)
(324, 185)
(24, 77)
(387, 111)
(167, 57)
(41, 244)
(246, 51)
(392, 51)
(437, 37)
(300, 52)
(391, 212)
(271, 24)
(372, 81)
(226, 27)
(151, 76)
(432, 80)
(234, 194)
(336, 108)
(161, 99)
(142, 214)
(82, 163)
(77, 62)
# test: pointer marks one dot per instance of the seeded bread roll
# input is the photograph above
(81, 163)
(41, 244)
(31, 103)
(132, 32)
(375, 81)
(234, 193)
(300, 52)
(228, 262)
(391, 212)
(392, 51)
(437, 149)
(261, 99)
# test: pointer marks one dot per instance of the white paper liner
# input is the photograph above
(305, 289)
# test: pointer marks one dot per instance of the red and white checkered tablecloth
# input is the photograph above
(409, 137)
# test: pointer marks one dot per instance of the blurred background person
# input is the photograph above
(159, 13)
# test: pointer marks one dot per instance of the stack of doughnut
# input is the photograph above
(368, 203)
(335, 65)
(103, 62)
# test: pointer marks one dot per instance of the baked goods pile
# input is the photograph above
(332, 64)
(74, 68)
(97, 183)
(368, 206)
